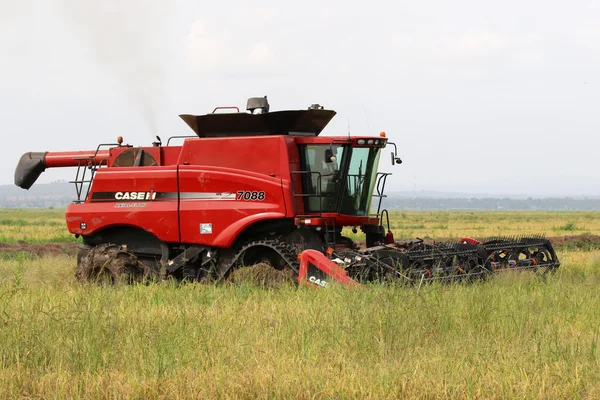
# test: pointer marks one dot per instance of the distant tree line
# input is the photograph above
(60, 194)
(490, 203)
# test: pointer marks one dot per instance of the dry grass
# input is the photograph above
(514, 336)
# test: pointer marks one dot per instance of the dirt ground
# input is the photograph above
(48, 249)
(577, 241)
(40, 250)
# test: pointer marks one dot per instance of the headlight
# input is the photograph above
(370, 141)
(360, 141)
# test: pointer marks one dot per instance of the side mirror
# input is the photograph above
(394, 154)
(329, 157)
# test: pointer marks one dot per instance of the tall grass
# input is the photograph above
(514, 336)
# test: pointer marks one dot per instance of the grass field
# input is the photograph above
(440, 224)
(42, 226)
(513, 336)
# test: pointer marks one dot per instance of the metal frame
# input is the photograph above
(305, 195)
(84, 163)
(381, 179)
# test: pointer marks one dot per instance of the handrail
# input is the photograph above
(226, 108)
(380, 187)
(80, 177)
(179, 137)
(309, 195)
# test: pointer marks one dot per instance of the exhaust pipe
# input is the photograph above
(32, 164)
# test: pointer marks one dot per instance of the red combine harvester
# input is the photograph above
(256, 187)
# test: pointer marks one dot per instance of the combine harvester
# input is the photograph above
(256, 187)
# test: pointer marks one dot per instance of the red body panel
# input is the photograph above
(222, 207)
(159, 217)
(261, 154)
(223, 168)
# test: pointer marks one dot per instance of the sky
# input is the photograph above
(480, 97)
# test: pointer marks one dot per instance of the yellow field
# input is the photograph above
(33, 226)
(516, 335)
(40, 226)
(440, 224)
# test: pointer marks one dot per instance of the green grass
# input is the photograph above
(22, 222)
(514, 336)
(568, 227)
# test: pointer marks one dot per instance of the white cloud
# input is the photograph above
(203, 50)
(259, 54)
(256, 15)
(211, 46)
(210, 49)
(477, 43)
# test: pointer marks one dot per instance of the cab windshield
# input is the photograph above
(338, 178)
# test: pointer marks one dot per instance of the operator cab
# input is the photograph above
(339, 176)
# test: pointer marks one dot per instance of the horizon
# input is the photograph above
(418, 193)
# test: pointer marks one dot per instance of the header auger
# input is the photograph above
(256, 187)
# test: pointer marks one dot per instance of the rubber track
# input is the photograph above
(280, 247)
(108, 256)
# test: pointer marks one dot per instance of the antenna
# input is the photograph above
(348, 127)
(367, 118)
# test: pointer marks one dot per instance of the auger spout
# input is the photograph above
(32, 164)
